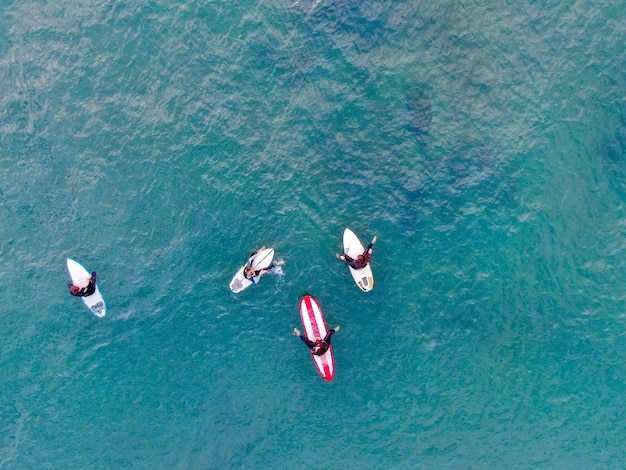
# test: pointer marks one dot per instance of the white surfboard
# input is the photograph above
(80, 278)
(262, 260)
(352, 247)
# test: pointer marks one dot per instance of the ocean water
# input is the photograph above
(159, 143)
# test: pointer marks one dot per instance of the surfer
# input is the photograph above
(253, 276)
(360, 261)
(319, 346)
(78, 291)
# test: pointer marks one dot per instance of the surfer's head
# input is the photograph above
(320, 347)
(248, 271)
(74, 289)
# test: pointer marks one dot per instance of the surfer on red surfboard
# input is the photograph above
(319, 346)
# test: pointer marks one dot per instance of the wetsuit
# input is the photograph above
(248, 264)
(253, 279)
(361, 261)
(88, 290)
(324, 344)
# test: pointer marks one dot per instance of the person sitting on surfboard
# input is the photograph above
(361, 261)
(251, 275)
(319, 346)
(78, 291)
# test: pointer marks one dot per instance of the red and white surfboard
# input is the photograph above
(315, 327)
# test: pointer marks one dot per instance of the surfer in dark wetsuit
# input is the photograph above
(319, 346)
(78, 291)
(360, 261)
(251, 275)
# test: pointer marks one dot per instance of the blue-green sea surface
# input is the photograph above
(159, 143)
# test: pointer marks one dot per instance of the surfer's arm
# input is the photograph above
(344, 257)
(307, 341)
(254, 253)
(329, 334)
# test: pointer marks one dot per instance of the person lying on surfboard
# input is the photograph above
(253, 276)
(361, 261)
(78, 291)
(319, 346)
(250, 274)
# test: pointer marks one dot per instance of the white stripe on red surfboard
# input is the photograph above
(306, 318)
(314, 328)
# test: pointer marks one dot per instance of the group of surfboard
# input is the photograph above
(315, 329)
(258, 263)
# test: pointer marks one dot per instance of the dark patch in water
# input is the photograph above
(444, 186)
(419, 103)
(614, 157)
(358, 25)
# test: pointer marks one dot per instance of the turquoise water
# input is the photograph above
(158, 143)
